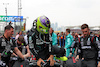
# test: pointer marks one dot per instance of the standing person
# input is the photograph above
(54, 37)
(68, 42)
(73, 34)
(64, 37)
(73, 53)
(74, 44)
(58, 39)
(7, 46)
(88, 49)
(61, 39)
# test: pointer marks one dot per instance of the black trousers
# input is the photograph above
(89, 63)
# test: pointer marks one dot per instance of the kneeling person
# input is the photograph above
(22, 46)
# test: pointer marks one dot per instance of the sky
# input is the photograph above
(63, 12)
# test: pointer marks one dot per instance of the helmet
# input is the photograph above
(42, 24)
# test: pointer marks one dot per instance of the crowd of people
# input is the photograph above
(46, 44)
(61, 36)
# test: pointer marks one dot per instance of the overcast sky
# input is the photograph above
(64, 12)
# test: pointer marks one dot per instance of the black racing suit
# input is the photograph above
(40, 47)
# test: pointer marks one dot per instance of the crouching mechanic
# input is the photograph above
(7, 46)
(24, 48)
